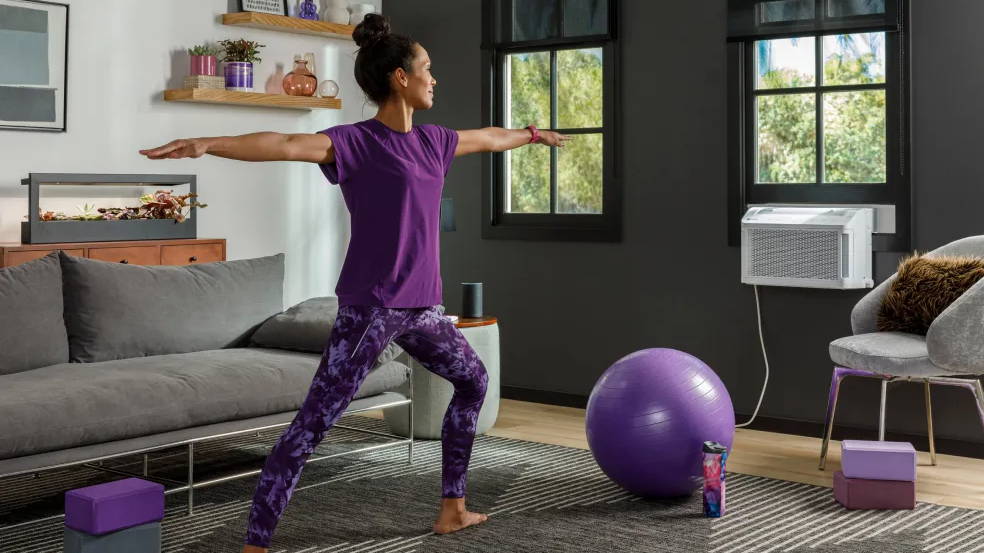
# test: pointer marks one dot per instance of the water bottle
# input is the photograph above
(715, 456)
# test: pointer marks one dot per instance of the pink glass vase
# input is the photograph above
(203, 65)
(300, 81)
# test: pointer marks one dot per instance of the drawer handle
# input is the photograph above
(123, 261)
(193, 258)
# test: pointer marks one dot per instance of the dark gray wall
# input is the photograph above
(568, 310)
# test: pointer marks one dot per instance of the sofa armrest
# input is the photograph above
(956, 337)
(864, 315)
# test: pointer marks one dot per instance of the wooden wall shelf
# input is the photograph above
(286, 24)
(220, 96)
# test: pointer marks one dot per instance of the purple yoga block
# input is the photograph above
(878, 460)
(862, 493)
(114, 505)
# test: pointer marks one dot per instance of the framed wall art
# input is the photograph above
(275, 7)
(34, 65)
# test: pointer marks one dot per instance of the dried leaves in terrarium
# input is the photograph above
(162, 204)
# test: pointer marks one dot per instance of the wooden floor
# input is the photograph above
(955, 481)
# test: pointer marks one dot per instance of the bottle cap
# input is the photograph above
(714, 447)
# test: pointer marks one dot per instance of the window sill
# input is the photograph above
(551, 233)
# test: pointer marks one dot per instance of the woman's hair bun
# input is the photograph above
(372, 28)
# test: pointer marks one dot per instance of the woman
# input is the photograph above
(391, 173)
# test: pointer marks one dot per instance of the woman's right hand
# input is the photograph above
(176, 149)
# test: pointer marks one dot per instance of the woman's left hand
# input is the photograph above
(551, 138)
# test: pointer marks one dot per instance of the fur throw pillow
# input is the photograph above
(924, 287)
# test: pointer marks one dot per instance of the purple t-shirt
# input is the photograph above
(392, 183)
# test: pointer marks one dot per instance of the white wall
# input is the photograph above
(122, 55)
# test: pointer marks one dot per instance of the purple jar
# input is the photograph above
(239, 76)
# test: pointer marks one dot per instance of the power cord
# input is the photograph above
(765, 357)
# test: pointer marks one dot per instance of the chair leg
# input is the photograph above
(840, 373)
(828, 428)
(881, 411)
(980, 399)
(929, 425)
(972, 385)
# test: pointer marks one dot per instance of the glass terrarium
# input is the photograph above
(85, 207)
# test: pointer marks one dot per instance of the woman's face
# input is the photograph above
(417, 87)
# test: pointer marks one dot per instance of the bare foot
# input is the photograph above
(254, 549)
(454, 516)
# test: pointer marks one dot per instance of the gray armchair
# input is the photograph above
(951, 354)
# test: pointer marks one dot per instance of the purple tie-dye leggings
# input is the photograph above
(358, 337)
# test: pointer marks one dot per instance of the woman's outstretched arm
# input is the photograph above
(497, 139)
(260, 146)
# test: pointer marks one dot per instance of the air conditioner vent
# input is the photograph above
(791, 253)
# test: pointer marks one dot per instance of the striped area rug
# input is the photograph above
(541, 498)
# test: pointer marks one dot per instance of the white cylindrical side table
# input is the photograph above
(432, 394)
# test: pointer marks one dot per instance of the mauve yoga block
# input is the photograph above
(878, 460)
(114, 505)
(862, 493)
(145, 538)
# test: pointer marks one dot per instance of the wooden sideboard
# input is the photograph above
(138, 252)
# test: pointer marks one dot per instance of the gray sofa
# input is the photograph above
(101, 359)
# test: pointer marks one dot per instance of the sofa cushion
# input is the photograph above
(306, 327)
(67, 405)
(33, 330)
(117, 311)
(893, 353)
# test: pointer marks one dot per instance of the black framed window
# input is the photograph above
(819, 114)
(551, 63)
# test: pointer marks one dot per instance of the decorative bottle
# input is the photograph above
(300, 81)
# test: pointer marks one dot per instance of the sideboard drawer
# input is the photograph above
(189, 254)
(16, 258)
(134, 255)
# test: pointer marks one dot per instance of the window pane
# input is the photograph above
(579, 175)
(528, 90)
(786, 138)
(854, 59)
(854, 136)
(849, 8)
(529, 179)
(785, 63)
(585, 17)
(534, 19)
(579, 88)
(783, 11)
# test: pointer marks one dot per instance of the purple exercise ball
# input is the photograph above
(648, 417)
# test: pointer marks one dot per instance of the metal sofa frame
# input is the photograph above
(190, 485)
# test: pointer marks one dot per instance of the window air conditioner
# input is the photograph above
(810, 247)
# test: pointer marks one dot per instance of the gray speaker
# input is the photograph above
(471, 300)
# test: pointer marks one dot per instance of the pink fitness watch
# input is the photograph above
(535, 133)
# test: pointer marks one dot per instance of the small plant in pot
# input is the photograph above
(204, 59)
(239, 57)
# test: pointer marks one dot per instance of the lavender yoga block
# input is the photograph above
(113, 506)
(878, 460)
(863, 493)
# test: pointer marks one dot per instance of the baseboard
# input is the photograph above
(544, 396)
(947, 446)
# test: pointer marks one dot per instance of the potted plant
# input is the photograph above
(239, 58)
(203, 59)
